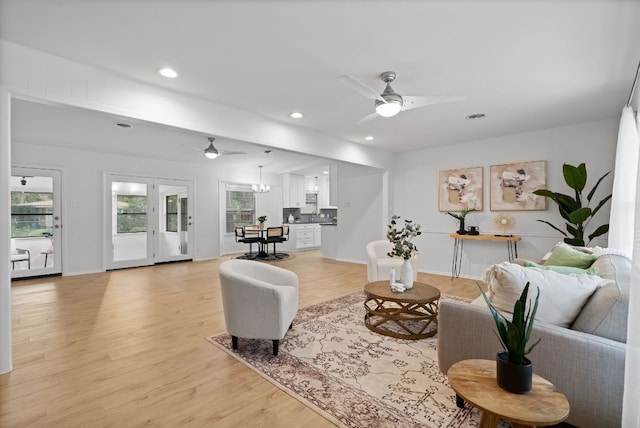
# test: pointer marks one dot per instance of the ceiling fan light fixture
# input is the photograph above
(211, 152)
(388, 109)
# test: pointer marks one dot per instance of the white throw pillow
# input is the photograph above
(561, 296)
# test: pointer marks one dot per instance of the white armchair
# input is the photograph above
(260, 301)
(379, 264)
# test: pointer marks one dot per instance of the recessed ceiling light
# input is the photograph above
(369, 138)
(123, 125)
(296, 115)
(167, 72)
(476, 116)
(325, 172)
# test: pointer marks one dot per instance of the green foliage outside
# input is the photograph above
(132, 214)
(31, 214)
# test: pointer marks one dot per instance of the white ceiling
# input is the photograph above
(527, 65)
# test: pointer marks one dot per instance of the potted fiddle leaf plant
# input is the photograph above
(574, 210)
(403, 247)
(514, 371)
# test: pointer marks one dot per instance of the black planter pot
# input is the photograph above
(512, 377)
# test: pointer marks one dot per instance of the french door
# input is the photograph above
(36, 222)
(147, 221)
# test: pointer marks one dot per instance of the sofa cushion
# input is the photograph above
(561, 296)
(605, 313)
(566, 255)
(562, 269)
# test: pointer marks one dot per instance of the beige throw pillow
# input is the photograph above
(562, 296)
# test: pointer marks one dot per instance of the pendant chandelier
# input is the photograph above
(260, 188)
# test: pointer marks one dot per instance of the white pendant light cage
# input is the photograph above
(260, 188)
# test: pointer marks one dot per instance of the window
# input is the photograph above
(171, 213)
(132, 214)
(31, 214)
(241, 207)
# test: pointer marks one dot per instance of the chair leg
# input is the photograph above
(275, 347)
(234, 342)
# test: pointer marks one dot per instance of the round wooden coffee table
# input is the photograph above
(475, 381)
(409, 315)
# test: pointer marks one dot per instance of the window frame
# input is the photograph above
(247, 215)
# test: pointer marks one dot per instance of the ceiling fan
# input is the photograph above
(389, 102)
(211, 152)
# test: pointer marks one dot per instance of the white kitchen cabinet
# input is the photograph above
(304, 236)
(293, 191)
(307, 236)
(317, 235)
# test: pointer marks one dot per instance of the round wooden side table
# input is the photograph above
(409, 315)
(475, 381)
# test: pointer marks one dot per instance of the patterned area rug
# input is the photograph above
(353, 377)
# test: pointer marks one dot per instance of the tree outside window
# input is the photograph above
(241, 207)
(31, 214)
(132, 214)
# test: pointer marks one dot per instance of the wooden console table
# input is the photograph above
(475, 382)
(512, 248)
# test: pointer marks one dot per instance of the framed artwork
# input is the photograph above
(512, 186)
(460, 188)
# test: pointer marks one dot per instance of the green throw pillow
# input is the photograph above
(565, 255)
(567, 270)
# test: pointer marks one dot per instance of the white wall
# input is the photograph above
(416, 193)
(5, 231)
(361, 214)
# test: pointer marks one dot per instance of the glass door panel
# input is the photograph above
(129, 229)
(36, 238)
(175, 220)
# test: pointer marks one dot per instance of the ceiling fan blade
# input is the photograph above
(367, 118)
(361, 87)
(415, 102)
(223, 152)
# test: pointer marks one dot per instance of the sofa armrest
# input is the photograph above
(588, 369)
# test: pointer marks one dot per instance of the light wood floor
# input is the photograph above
(127, 348)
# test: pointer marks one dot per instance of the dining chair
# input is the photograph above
(240, 237)
(274, 235)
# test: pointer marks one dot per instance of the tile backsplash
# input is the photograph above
(324, 216)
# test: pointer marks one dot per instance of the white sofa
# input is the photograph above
(260, 301)
(586, 361)
(379, 264)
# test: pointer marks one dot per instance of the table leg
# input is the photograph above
(489, 420)
(512, 250)
(457, 258)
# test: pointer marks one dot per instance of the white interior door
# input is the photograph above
(129, 225)
(36, 222)
(175, 220)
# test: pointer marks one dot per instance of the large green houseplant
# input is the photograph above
(514, 370)
(572, 209)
